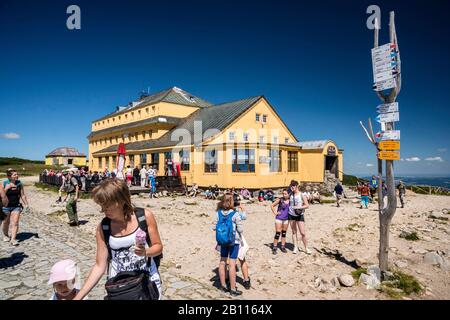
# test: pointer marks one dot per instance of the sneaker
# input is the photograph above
(6, 239)
(235, 292)
(274, 250)
(14, 242)
(247, 284)
(283, 249)
(295, 250)
(73, 224)
(223, 289)
(308, 251)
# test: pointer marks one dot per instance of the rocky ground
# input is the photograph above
(342, 239)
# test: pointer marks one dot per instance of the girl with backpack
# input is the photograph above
(228, 229)
(15, 193)
(122, 250)
(297, 205)
(281, 221)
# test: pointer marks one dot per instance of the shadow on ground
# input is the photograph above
(15, 259)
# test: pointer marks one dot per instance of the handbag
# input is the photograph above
(297, 212)
(131, 285)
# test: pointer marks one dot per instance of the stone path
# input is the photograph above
(44, 240)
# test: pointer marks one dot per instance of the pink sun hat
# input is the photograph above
(62, 271)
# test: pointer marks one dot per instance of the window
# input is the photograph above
(100, 162)
(231, 135)
(184, 160)
(114, 119)
(136, 136)
(264, 118)
(261, 139)
(292, 161)
(153, 109)
(275, 140)
(107, 164)
(117, 139)
(257, 117)
(139, 112)
(120, 117)
(150, 132)
(132, 114)
(132, 160)
(211, 161)
(275, 160)
(243, 160)
(69, 161)
(110, 140)
(114, 159)
(108, 120)
(167, 155)
(286, 140)
(103, 122)
(155, 159)
(143, 158)
(126, 116)
(143, 134)
(146, 111)
(246, 137)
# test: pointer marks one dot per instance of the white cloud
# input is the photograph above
(442, 150)
(434, 159)
(402, 159)
(10, 135)
(369, 165)
(413, 159)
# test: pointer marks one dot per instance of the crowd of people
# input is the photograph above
(368, 190)
(129, 246)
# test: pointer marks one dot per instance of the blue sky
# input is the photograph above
(310, 59)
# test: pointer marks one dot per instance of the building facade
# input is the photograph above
(234, 144)
(65, 156)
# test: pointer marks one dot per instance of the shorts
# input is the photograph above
(8, 210)
(365, 200)
(339, 196)
(283, 222)
(230, 251)
(297, 218)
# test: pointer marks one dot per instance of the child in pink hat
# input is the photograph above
(64, 277)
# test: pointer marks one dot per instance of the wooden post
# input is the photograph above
(386, 215)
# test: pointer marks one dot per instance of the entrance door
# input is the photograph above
(331, 164)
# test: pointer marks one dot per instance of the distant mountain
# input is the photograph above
(16, 161)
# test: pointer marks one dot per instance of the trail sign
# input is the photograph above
(390, 135)
(388, 107)
(389, 155)
(388, 117)
(389, 145)
(384, 85)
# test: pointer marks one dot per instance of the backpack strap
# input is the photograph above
(140, 216)
(106, 229)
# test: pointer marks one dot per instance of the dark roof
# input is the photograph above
(172, 95)
(214, 117)
(158, 119)
(65, 152)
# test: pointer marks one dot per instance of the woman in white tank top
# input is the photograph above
(113, 196)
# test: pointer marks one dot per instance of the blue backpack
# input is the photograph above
(224, 229)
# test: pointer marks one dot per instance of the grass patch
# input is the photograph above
(412, 236)
(357, 273)
(400, 284)
(353, 227)
(327, 201)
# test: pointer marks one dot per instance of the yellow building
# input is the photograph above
(234, 144)
(65, 157)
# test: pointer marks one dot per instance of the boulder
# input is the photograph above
(346, 280)
(401, 264)
(335, 282)
(178, 266)
(375, 271)
(438, 215)
(371, 281)
(434, 258)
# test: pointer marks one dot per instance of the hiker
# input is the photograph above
(72, 189)
(83, 179)
(106, 173)
(401, 193)
(364, 192)
(216, 191)
(3, 202)
(143, 174)
(243, 249)
(119, 249)
(129, 175)
(15, 193)
(194, 191)
(208, 193)
(339, 192)
(315, 196)
(281, 221)
(151, 173)
(261, 195)
(297, 206)
(65, 279)
(236, 197)
(245, 194)
(269, 195)
(136, 179)
(228, 229)
(373, 187)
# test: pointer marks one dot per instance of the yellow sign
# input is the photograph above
(389, 145)
(389, 155)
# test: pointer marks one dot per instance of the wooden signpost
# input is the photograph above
(388, 80)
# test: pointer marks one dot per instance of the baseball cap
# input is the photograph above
(62, 271)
